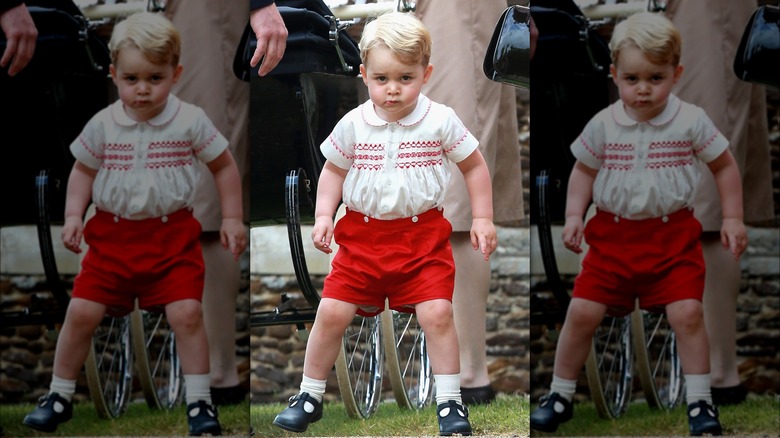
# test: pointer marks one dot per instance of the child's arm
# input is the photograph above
(329, 190)
(78, 196)
(232, 233)
(477, 177)
(733, 235)
(578, 197)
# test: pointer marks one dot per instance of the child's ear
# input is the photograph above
(427, 73)
(177, 73)
(678, 72)
(363, 74)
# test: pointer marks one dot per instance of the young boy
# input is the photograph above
(636, 161)
(388, 160)
(135, 160)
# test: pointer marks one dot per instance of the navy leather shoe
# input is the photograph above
(302, 410)
(202, 419)
(703, 419)
(453, 419)
(552, 411)
(51, 411)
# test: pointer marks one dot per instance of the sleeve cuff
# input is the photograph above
(8, 4)
(257, 4)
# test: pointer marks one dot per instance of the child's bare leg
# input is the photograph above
(186, 319)
(436, 320)
(192, 345)
(687, 320)
(323, 346)
(73, 343)
(582, 319)
(322, 349)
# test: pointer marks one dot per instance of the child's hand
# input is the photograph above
(322, 233)
(733, 236)
(483, 236)
(232, 234)
(72, 231)
(572, 233)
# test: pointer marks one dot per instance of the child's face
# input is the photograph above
(392, 85)
(644, 86)
(143, 86)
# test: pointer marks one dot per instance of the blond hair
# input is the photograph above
(652, 33)
(153, 34)
(403, 33)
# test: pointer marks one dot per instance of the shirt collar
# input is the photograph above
(622, 118)
(419, 112)
(121, 118)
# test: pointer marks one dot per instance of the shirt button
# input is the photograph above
(665, 219)
(365, 218)
(116, 219)
(164, 219)
(389, 181)
(617, 219)
(414, 219)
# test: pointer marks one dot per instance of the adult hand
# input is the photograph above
(20, 33)
(271, 36)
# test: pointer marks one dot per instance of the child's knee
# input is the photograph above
(184, 314)
(435, 315)
(685, 314)
(85, 314)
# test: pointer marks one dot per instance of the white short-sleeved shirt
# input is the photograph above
(147, 169)
(647, 169)
(397, 169)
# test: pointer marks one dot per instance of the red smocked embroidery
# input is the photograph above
(118, 156)
(617, 156)
(170, 153)
(670, 153)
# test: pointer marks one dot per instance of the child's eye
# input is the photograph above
(381, 78)
(406, 78)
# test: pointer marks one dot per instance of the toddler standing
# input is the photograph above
(136, 161)
(388, 161)
(636, 161)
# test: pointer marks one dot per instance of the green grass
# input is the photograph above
(506, 417)
(139, 420)
(759, 416)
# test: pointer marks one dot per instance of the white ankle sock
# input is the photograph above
(196, 387)
(315, 388)
(447, 388)
(65, 388)
(565, 388)
(697, 387)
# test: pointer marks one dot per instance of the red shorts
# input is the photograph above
(658, 261)
(157, 260)
(407, 261)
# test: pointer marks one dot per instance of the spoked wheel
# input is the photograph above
(407, 360)
(158, 366)
(109, 367)
(609, 367)
(658, 364)
(359, 367)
